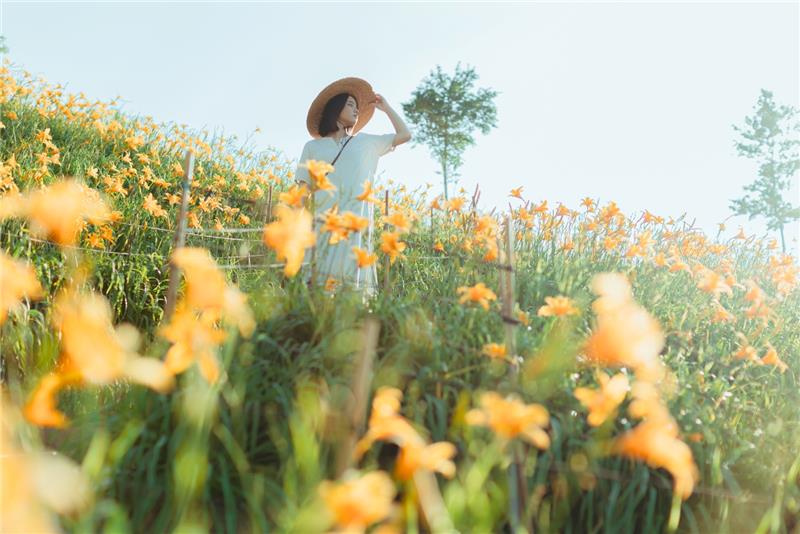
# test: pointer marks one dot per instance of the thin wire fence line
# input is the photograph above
(256, 266)
(205, 233)
(97, 250)
(136, 254)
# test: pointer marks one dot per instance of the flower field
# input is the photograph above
(544, 369)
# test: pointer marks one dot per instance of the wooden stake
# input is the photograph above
(313, 279)
(516, 477)
(355, 409)
(387, 263)
(180, 234)
(509, 322)
(269, 205)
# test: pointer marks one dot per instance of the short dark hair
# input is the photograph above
(330, 114)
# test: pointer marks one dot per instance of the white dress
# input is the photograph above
(355, 165)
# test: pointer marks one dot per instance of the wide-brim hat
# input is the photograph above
(360, 89)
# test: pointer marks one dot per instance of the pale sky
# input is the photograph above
(624, 101)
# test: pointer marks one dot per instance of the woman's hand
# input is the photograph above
(380, 103)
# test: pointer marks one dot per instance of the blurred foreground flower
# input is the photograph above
(655, 440)
(58, 211)
(495, 350)
(193, 328)
(92, 351)
(17, 281)
(194, 339)
(318, 171)
(602, 402)
(355, 504)
(625, 333)
(35, 484)
(363, 257)
(289, 236)
(207, 289)
(386, 424)
(509, 417)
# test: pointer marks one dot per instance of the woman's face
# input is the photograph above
(349, 114)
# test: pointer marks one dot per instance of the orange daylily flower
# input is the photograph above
(391, 245)
(353, 222)
(455, 204)
(433, 457)
(289, 236)
(495, 350)
(712, 282)
(294, 196)
(492, 252)
(399, 221)
(478, 293)
(541, 208)
(364, 258)
(558, 306)
(152, 206)
(517, 193)
(366, 195)
(333, 224)
(771, 358)
(721, 315)
(330, 283)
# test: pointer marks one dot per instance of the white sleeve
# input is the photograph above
(301, 173)
(384, 143)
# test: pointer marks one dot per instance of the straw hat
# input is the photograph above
(360, 89)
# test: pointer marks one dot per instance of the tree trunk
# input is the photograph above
(444, 170)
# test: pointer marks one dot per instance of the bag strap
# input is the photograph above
(340, 150)
(298, 182)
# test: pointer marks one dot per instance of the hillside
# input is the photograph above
(626, 373)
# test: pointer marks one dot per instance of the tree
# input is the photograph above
(444, 110)
(770, 138)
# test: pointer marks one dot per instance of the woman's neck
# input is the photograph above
(338, 135)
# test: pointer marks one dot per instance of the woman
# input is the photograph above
(334, 119)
